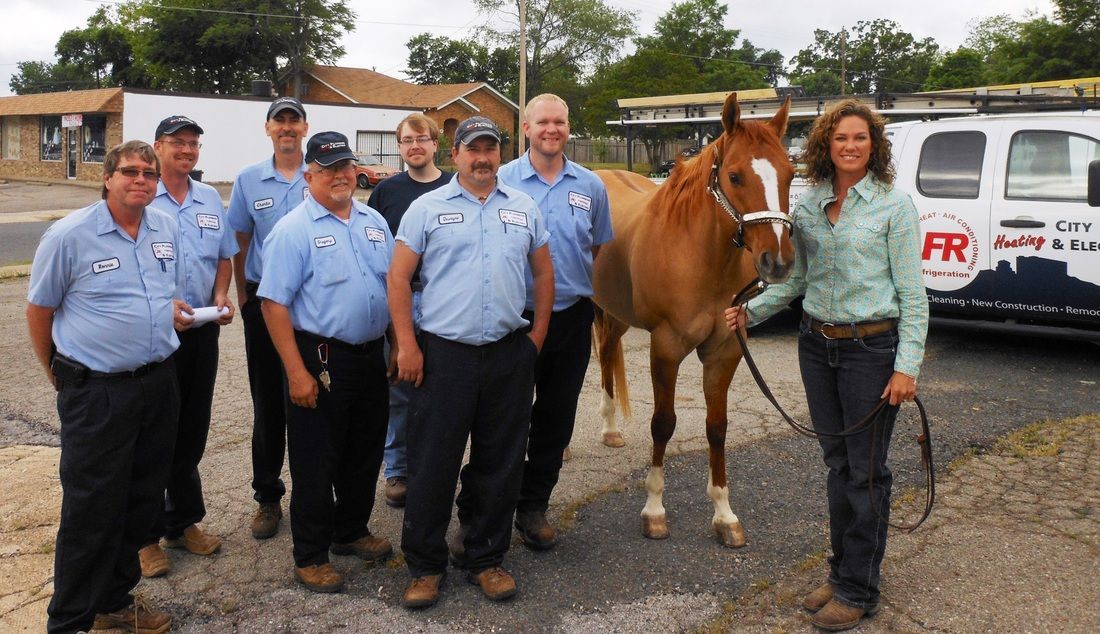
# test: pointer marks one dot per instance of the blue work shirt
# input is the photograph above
(331, 276)
(578, 217)
(112, 294)
(261, 197)
(205, 238)
(473, 257)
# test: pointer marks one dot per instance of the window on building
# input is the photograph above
(51, 139)
(94, 135)
(1050, 165)
(951, 165)
(9, 137)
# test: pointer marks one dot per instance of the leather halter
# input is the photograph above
(742, 220)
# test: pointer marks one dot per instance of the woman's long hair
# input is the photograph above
(819, 164)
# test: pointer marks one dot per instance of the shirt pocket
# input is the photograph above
(452, 245)
(109, 292)
(329, 267)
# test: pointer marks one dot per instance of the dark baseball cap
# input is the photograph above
(174, 124)
(476, 127)
(326, 148)
(286, 103)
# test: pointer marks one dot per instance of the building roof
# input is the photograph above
(74, 101)
(695, 99)
(361, 85)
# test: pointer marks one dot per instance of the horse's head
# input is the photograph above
(750, 177)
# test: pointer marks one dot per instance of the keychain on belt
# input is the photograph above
(326, 379)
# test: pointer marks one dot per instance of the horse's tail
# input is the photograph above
(607, 333)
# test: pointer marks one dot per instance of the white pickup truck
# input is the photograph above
(1010, 229)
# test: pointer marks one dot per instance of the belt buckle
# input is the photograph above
(824, 325)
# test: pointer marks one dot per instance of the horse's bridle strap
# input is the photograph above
(754, 218)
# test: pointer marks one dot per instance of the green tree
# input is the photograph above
(441, 60)
(37, 77)
(818, 83)
(103, 50)
(961, 68)
(1040, 48)
(878, 57)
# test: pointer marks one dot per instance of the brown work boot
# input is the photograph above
(536, 532)
(397, 488)
(265, 523)
(495, 582)
(154, 563)
(320, 578)
(837, 616)
(422, 592)
(138, 617)
(196, 541)
(818, 598)
(367, 548)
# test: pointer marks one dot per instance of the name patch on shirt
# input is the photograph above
(510, 217)
(324, 241)
(449, 219)
(375, 235)
(266, 203)
(164, 251)
(103, 266)
(208, 221)
(580, 201)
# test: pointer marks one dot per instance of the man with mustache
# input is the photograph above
(262, 194)
(206, 244)
(417, 140)
(472, 364)
(324, 301)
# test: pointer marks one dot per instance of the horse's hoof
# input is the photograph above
(567, 455)
(655, 527)
(613, 439)
(730, 535)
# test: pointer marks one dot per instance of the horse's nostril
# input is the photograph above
(766, 261)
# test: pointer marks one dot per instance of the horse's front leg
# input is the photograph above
(665, 358)
(717, 375)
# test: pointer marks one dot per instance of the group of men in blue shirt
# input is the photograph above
(485, 272)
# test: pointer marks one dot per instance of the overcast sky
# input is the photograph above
(382, 29)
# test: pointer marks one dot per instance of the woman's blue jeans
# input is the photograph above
(844, 379)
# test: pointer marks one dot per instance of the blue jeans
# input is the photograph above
(844, 379)
(397, 464)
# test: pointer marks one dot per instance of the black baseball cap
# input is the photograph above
(174, 124)
(326, 148)
(286, 103)
(476, 127)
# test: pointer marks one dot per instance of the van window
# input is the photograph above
(951, 165)
(1049, 165)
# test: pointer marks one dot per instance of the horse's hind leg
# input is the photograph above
(665, 357)
(609, 350)
(717, 375)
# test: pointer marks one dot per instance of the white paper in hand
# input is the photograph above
(205, 314)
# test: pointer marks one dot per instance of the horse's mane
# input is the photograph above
(685, 190)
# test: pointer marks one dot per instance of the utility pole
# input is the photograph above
(520, 144)
(843, 60)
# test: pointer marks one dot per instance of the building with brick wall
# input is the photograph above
(446, 104)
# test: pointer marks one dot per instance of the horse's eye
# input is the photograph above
(735, 179)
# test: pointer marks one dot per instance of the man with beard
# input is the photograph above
(324, 301)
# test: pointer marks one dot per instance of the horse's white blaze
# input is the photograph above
(720, 496)
(654, 488)
(766, 171)
(607, 412)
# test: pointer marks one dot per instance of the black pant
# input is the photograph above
(482, 393)
(336, 447)
(559, 376)
(265, 379)
(116, 448)
(196, 362)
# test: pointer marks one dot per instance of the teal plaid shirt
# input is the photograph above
(865, 268)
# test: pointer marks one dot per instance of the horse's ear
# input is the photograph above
(731, 114)
(779, 120)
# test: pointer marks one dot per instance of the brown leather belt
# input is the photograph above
(852, 330)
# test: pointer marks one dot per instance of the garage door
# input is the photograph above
(378, 147)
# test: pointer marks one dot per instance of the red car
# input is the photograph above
(370, 174)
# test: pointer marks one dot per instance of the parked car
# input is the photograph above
(370, 174)
(664, 167)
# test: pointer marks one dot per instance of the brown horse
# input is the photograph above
(680, 253)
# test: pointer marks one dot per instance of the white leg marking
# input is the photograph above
(720, 497)
(766, 171)
(654, 488)
(607, 412)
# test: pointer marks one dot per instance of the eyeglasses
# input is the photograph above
(179, 145)
(133, 172)
(335, 168)
(418, 140)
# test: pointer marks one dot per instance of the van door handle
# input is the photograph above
(1023, 224)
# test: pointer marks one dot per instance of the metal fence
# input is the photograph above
(614, 150)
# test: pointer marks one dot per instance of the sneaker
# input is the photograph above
(154, 563)
(818, 598)
(367, 548)
(320, 578)
(536, 532)
(265, 523)
(397, 488)
(837, 616)
(422, 592)
(196, 541)
(495, 582)
(137, 617)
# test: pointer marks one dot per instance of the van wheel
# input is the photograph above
(363, 181)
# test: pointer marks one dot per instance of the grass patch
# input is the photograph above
(1043, 438)
(812, 561)
(45, 548)
(396, 562)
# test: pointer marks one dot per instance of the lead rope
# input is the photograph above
(924, 440)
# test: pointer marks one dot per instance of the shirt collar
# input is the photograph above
(867, 187)
(454, 190)
(163, 191)
(105, 222)
(269, 171)
(527, 170)
(317, 210)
